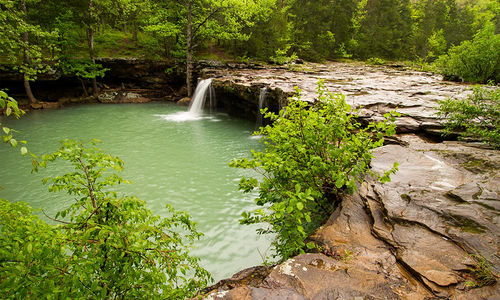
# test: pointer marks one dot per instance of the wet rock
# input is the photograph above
(107, 97)
(45, 105)
(122, 96)
(131, 97)
(184, 101)
(50, 105)
(375, 89)
(36, 105)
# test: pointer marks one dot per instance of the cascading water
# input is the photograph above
(211, 96)
(200, 96)
(197, 104)
(262, 98)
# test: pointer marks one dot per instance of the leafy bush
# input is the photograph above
(281, 57)
(9, 107)
(104, 246)
(375, 61)
(312, 157)
(83, 69)
(478, 115)
(474, 61)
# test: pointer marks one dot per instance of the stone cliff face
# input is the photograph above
(426, 234)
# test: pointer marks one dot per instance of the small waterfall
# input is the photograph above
(200, 96)
(211, 97)
(262, 98)
(197, 104)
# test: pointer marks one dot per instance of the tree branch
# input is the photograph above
(210, 15)
(56, 220)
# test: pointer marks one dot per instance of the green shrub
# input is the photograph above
(9, 107)
(474, 61)
(312, 157)
(281, 57)
(476, 116)
(375, 61)
(105, 246)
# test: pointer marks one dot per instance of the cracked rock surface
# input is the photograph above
(416, 237)
(377, 89)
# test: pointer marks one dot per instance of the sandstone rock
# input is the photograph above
(107, 97)
(51, 105)
(45, 105)
(377, 89)
(184, 101)
(37, 105)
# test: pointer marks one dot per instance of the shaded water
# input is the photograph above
(181, 163)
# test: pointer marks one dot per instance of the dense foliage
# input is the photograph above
(312, 157)
(477, 60)
(9, 107)
(35, 34)
(476, 116)
(104, 245)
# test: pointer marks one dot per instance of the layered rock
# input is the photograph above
(374, 89)
(417, 237)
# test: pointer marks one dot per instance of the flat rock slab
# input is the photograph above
(376, 89)
(416, 237)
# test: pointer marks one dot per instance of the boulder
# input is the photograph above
(184, 101)
(45, 105)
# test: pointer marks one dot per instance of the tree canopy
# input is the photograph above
(272, 30)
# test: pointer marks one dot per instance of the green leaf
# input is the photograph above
(24, 150)
(339, 183)
(311, 245)
(13, 142)
(300, 206)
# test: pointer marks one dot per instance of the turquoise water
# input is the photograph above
(184, 164)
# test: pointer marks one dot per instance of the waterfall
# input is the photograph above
(195, 112)
(262, 98)
(211, 97)
(200, 95)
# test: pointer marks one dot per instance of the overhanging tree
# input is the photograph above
(24, 44)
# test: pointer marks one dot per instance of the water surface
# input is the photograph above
(184, 164)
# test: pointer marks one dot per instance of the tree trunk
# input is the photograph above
(135, 29)
(90, 36)
(27, 86)
(85, 93)
(189, 54)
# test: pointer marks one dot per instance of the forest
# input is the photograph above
(458, 38)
